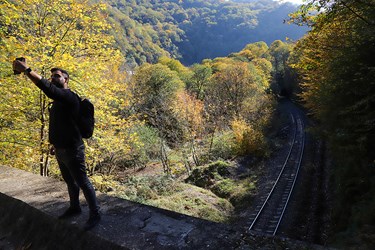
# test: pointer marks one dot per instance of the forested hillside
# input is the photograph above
(194, 30)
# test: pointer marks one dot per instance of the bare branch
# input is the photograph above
(355, 13)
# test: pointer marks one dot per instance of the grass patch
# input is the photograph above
(234, 190)
(167, 193)
(197, 202)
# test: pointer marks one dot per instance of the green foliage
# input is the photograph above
(217, 177)
(198, 203)
(237, 102)
(282, 81)
(224, 188)
(149, 139)
(199, 80)
(142, 189)
(155, 89)
(221, 167)
(206, 176)
(223, 145)
(143, 146)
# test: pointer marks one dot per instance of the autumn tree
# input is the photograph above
(236, 87)
(231, 87)
(236, 100)
(65, 33)
(199, 80)
(336, 73)
(154, 88)
(337, 80)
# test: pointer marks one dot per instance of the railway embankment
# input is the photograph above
(30, 204)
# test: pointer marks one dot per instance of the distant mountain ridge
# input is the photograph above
(193, 30)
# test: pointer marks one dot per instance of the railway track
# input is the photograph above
(268, 216)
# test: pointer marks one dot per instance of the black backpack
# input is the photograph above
(85, 120)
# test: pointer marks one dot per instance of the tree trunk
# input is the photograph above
(43, 160)
(164, 159)
(212, 142)
(194, 153)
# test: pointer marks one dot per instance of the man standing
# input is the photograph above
(66, 139)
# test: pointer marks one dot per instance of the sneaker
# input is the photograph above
(70, 212)
(92, 222)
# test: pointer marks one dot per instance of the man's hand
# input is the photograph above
(20, 66)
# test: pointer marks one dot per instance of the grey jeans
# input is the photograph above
(72, 166)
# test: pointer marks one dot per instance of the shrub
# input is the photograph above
(201, 178)
(207, 176)
(221, 167)
(164, 192)
(143, 150)
(150, 140)
(217, 178)
(103, 183)
(223, 145)
(248, 140)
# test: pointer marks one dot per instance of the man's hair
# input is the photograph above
(62, 71)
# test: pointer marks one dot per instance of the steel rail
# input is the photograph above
(278, 178)
(295, 179)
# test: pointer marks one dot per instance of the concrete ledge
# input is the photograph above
(29, 205)
(25, 227)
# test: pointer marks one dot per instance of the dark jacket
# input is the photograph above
(63, 131)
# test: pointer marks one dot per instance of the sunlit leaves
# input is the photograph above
(248, 140)
(190, 111)
(70, 34)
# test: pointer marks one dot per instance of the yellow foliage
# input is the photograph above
(190, 111)
(248, 140)
(104, 183)
(264, 68)
(247, 54)
(70, 34)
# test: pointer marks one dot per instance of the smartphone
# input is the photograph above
(19, 59)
